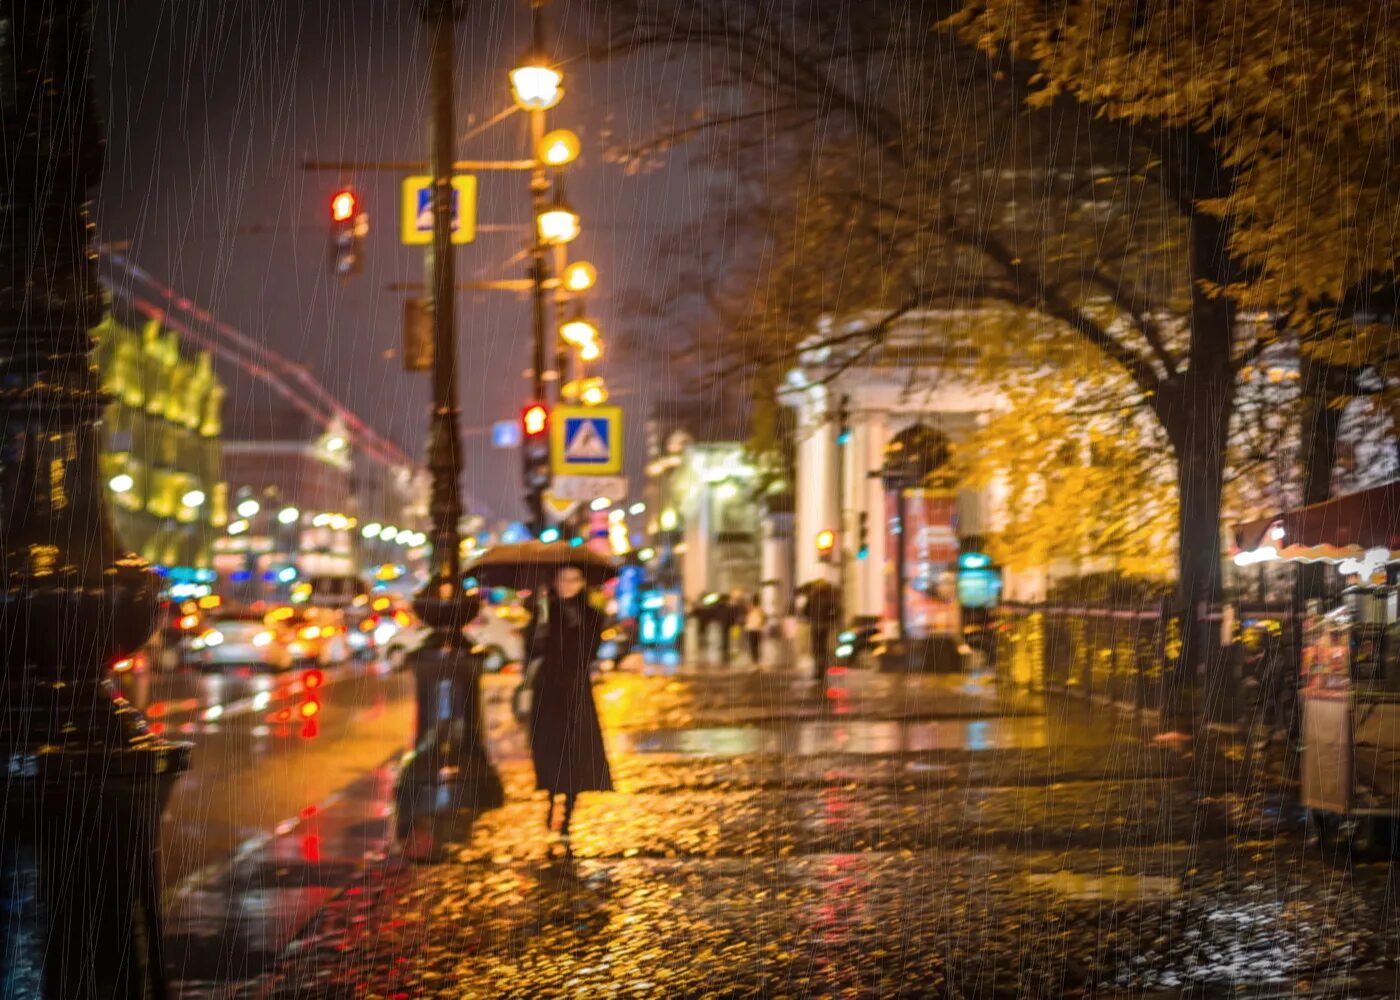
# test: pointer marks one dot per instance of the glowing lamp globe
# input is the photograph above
(536, 87)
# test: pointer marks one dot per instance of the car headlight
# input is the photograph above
(213, 637)
(262, 639)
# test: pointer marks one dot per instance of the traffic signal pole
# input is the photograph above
(539, 274)
(448, 775)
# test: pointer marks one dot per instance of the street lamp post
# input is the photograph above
(86, 779)
(448, 771)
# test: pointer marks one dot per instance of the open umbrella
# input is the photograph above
(528, 565)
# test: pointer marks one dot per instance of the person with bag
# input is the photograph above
(566, 739)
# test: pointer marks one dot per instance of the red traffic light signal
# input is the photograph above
(534, 419)
(344, 205)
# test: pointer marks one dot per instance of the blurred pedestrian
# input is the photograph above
(723, 615)
(755, 621)
(566, 740)
(822, 609)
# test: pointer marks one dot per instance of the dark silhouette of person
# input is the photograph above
(822, 610)
(566, 740)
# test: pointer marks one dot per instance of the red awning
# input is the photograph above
(1340, 528)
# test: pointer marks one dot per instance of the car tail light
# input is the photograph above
(128, 663)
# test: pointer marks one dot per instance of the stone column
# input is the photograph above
(815, 485)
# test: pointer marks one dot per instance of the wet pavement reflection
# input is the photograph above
(934, 838)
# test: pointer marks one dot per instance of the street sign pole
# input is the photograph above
(449, 739)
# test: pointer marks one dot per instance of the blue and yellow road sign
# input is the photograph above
(586, 440)
(416, 215)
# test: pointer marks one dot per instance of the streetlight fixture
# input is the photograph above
(558, 224)
(579, 331)
(288, 515)
(535, 85)
(121, 483)
(558, 148)
(593, 392)
(579, 276)
(248, 508)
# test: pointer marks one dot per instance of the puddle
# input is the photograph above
(1113, 888)
(855, 737)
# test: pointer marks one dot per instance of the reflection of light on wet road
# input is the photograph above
(858, 736)
(1115, 888)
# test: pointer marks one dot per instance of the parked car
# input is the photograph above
(495, 632)
(319, 635)
(864, 638)
(241, 638)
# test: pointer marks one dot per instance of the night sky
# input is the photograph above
(211, 109)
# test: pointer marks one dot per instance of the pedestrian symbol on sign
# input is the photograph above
(586, 441)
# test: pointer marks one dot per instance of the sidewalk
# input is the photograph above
(890, 836)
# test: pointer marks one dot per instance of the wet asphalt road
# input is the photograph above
(268, 749)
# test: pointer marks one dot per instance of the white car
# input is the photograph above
(240, 640)
(494, 632)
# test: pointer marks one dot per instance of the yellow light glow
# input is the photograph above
(578, 332)
(593, 395)
(558, 225)
(558, 148)
(579, 276)
(536, 87)
(590, 351)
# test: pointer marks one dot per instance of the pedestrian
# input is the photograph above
(822, 610)
(566, 740)
(723, 612)
(755, 621)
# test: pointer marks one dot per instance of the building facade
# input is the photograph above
(850, 405)
(163, 458)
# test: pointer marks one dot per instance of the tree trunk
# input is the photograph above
(1198, 433)
(1195, 410)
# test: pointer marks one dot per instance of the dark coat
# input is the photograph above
(566, 741)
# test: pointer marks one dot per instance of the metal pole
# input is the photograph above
(86, 779)
(901, 569)
(539, 275)
(561, 349)
(450, 753)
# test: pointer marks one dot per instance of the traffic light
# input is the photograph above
(843, 421)
(826, 544)
(863, 535)
(534, 423)
(534, 420)
(348, 228)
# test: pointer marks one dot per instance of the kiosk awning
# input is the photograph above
(1345, 527)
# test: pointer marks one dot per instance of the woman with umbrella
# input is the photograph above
(566, 741)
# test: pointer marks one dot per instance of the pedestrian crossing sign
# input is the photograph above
(586, 440)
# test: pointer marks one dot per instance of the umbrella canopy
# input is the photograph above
(1344, 527)
(528, 565)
